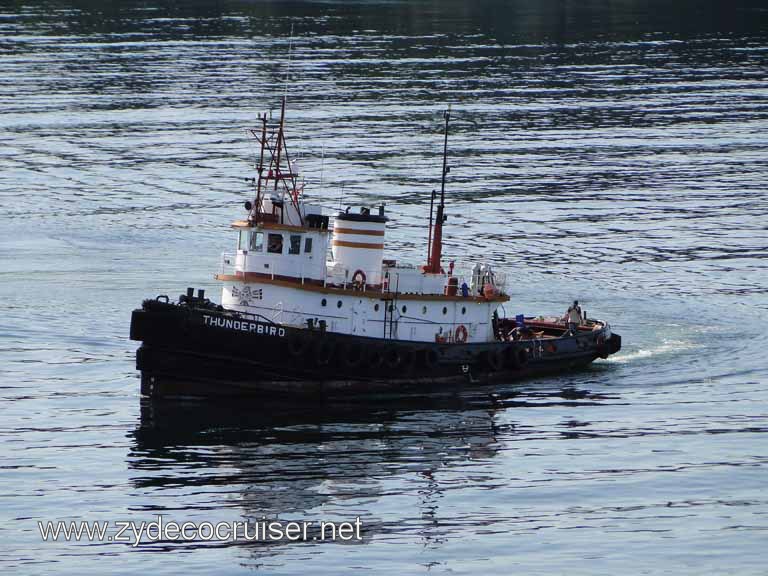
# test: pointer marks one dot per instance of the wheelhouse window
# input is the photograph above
(307, 245)
(295, 247)
(242, 243)
(275, 243)
(257, 242)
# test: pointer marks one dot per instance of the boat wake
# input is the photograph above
(667, 347)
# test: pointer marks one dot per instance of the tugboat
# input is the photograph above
(310, 307)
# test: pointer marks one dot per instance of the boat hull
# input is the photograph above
(203, 350)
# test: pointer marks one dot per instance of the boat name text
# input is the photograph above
(243, 325)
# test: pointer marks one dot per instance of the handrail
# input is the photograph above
(336, 275)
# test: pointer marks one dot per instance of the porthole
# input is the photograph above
(375, 307)
(323, 302)
(338, 304)
(445, 310)
(423, 309)
(463, 309)
(405, 309)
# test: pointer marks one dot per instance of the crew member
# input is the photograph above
(573, 317)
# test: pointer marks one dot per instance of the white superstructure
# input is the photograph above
(280, 270)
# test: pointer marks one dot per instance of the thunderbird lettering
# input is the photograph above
(243, 326)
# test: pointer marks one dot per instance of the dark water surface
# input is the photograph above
(611, 151)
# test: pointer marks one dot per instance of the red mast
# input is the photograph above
(436, 239)
(274, 145)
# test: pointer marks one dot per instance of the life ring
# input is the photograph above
(461, 334)
(550, 347)
(358, 278)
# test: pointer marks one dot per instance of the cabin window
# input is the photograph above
(307, 245)
(405, 309)
(375, 307)
(257, 242)
(323, 302)
(295, 246)
(242, 243)
(463, 309)
(423, 309)
(338, 304)
(445, 310)
(275, 243)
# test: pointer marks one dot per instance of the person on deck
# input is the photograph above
(573, 317)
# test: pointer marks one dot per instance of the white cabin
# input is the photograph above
(292, 267)
(279, 272)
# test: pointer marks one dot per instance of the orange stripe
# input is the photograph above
(363, 232)
(346, 244)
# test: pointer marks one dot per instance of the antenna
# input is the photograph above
(445, 157)
(288, 69)
(436, 244)
(322, 165)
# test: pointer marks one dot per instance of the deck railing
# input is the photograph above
(337, 275)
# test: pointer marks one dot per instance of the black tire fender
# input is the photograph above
(375, 358)
(513, 360)
(429, 357)
(523, 356)
(138, 325)
(494, 359)
(407, 359)
(298, 345)
(324, 350)
(352, 355)
(393, 358)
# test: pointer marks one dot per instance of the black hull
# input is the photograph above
(201, 350)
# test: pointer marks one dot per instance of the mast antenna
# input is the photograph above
(288, 69)
(445, 156)
(435, 245)
(322, 165)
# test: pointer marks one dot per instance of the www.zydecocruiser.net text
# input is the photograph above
(162, 530)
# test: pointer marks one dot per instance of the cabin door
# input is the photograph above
(362, 319)
(359, 317)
